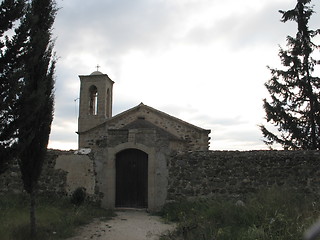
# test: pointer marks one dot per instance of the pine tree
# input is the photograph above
(11, 11)
(35, 106)
(294, 107)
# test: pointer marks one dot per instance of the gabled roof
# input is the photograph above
(157, 112)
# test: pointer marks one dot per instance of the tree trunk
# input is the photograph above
(33, 227)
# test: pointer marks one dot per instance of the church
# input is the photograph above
(131, 148)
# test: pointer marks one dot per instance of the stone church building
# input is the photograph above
(143, 157)
(131, 149)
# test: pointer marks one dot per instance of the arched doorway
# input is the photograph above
(132, 179)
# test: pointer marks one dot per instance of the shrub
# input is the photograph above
(78, 196)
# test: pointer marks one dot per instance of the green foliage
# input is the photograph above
(294, 104)
(78, 196)
(275, 213)
(27, 65)
(57, 217)
(11, 11)
(35, 106)
(36, 102)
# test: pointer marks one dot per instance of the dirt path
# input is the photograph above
(127, 225)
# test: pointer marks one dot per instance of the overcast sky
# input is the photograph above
(203, 61)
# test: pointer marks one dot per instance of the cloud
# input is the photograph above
(237, 137)
(114, 26)
(244, 29)
(203, 61)
(61, 126)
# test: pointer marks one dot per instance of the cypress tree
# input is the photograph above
(11, 11)
(35, 106)
(294, 106)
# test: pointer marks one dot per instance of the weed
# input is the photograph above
(57, 218)
(276, 213)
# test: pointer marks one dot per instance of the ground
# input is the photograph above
(127, 225)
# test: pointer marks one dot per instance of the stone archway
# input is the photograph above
(132, 179)
(109, 177)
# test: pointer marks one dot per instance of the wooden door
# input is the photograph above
(132, 179)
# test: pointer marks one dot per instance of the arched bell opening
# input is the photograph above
(93, 100)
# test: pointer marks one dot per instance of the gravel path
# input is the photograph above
(127, 225)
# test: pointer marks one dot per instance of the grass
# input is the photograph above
(57, 218)
(277, 213)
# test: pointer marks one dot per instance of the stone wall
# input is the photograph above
(62, 173)
(235, 173)
(51, 179)
(192, 174)
(80, 171)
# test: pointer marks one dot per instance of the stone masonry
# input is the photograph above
(235, 173)
(189, 175)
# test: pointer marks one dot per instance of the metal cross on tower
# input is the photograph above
(97, 67)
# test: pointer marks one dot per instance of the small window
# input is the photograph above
(93, 101)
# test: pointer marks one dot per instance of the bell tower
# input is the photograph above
(95, 100)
